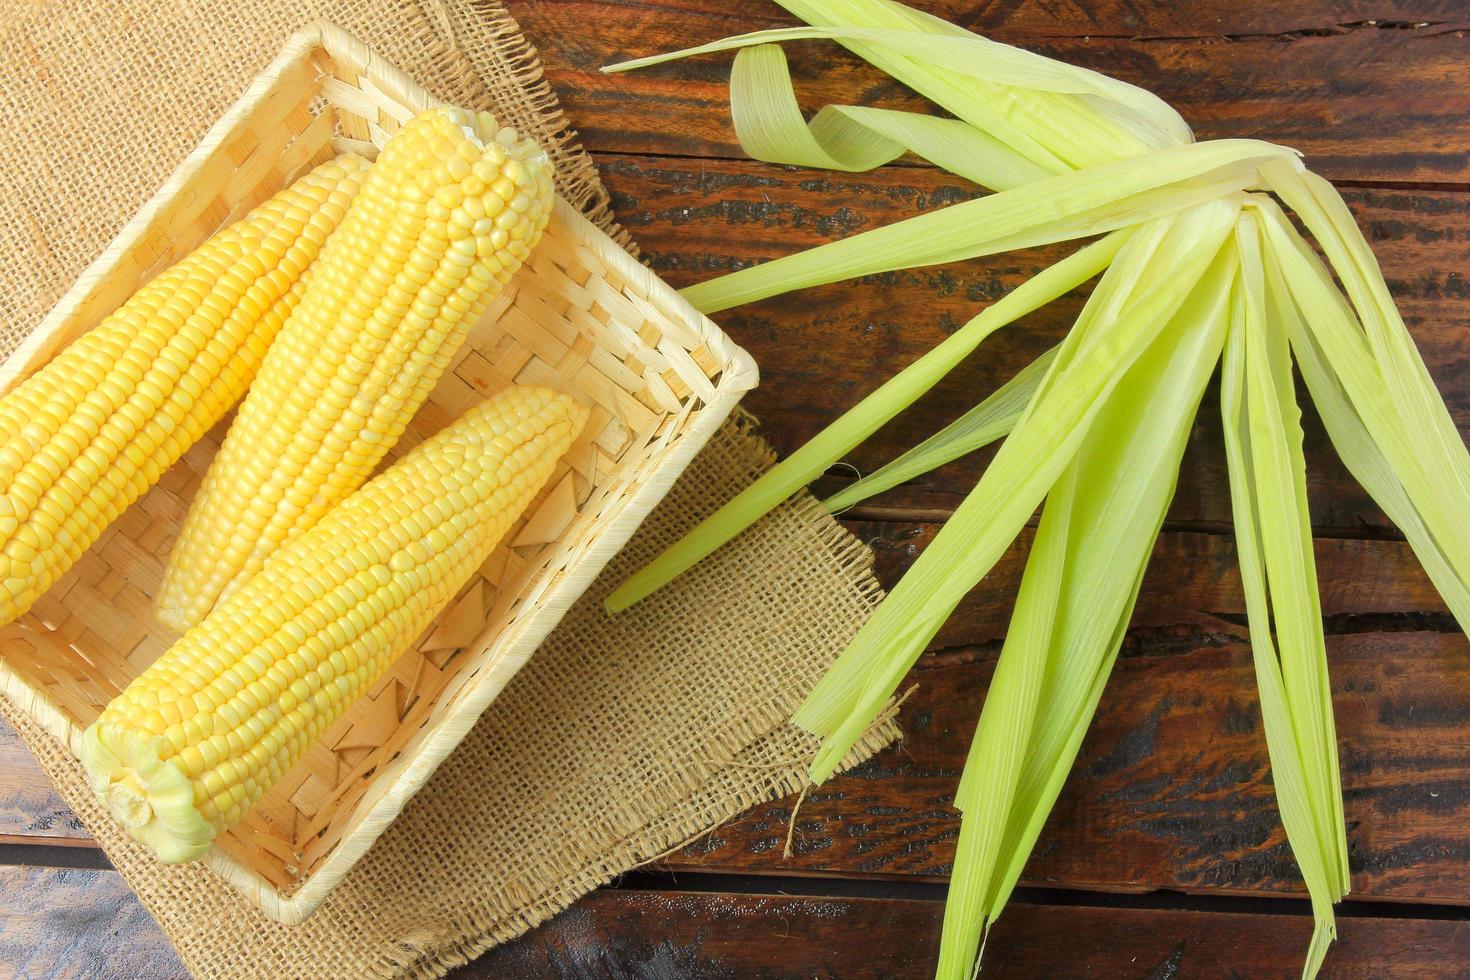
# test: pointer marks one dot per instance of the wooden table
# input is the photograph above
(1165, 856)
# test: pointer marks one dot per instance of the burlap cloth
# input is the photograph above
(624, 736)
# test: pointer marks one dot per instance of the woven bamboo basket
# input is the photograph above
(583, 316)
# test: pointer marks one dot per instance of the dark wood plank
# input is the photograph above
(1171, 789)
(821, 349)
(30, 810)
(1135, 20)
(675, 934)
(57, 923)
(1382, 101)
(1201, 18)
(1193, 581)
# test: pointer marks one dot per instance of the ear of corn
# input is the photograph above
(448, 213)
(201, 735)
(86, 435)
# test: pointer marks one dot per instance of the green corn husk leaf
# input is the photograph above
(1055, 130)
(965, 53)
(1156, 269)
(862, 420)
(1421, 464)
(770, 127)
(1263, 441)
(967, 71)
(1056, 747)
(988, 421)
(1129, 119)
(1140, 113)
(1069, 206)
(1026, 126)
(1434, 464)
(1190, 175)
(1357, 448)
(1326, 215)
(1076, 598)
(997, 752)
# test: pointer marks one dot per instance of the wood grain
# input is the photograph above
(1171, 790)
(1287, 19)
(30, 809)
(674, 934)
(57, 923)
(1365, 101)
(62, 923)
(822, 349)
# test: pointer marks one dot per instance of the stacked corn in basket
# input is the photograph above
(333, 308)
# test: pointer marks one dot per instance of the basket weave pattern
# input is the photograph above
(583, 317)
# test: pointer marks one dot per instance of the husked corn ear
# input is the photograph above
(85, 436)
(201, 735)
(451, 209)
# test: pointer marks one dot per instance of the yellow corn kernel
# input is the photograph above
(86, 435)
(328, 614)
(397, 288)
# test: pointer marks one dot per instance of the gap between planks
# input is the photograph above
(832, 886)
(935, 890)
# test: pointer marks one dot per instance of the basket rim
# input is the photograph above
(738, 374)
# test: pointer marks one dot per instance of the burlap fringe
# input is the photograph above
(433, 958)
(781, 778)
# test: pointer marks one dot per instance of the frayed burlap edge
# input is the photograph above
(689, 820)
(772, 764)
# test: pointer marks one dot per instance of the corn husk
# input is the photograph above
(1200, 264)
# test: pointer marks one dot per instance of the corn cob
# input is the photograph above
(450, 211)
(85, 436)
(201, 735)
